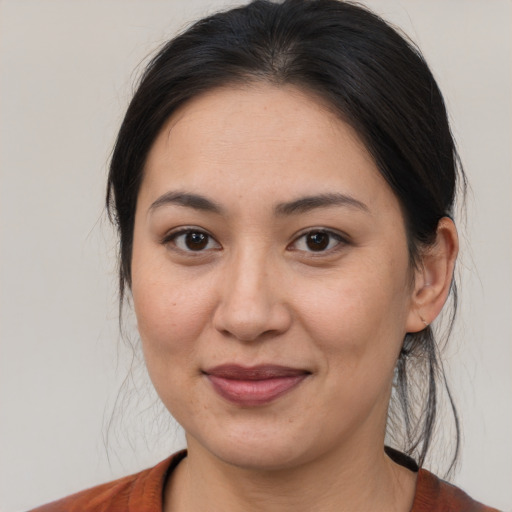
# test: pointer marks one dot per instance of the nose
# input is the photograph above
(251, 301)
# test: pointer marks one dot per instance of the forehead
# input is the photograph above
(261, 138)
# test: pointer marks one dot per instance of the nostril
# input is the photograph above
(250, 325)
(250, 305)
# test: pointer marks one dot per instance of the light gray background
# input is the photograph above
(66, 76)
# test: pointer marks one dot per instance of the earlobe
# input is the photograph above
(433, 278)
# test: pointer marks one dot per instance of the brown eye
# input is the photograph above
(317, 241)
(196, 241)
(191, 240)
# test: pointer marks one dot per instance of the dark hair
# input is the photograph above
(372, 77)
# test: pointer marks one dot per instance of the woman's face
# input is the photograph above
(270, 278)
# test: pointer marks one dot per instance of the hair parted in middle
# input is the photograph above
(375, 80)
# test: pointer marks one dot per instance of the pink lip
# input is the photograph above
(253, 386)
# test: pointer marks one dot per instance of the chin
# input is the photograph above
(260, 457)
(270, 449)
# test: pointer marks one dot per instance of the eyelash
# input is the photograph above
(172, 237)
(341, 241)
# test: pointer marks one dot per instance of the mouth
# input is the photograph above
(256, 385)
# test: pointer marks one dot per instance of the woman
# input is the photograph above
(283, 185)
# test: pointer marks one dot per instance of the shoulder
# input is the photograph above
(436, 495)
(141, 492)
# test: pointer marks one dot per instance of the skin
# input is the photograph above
(257, 294)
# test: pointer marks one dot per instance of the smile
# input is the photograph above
(254, 386)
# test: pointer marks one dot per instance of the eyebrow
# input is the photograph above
(195, 201)
(297, 206)
(308, 203)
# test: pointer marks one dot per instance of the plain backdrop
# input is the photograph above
(66, 74)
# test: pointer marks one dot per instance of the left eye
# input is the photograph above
(192, 240)
(318, 241)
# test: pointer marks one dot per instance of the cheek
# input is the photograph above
(359, 310)
(171, 313)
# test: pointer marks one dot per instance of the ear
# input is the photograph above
(433, 277)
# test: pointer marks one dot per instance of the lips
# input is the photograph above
(253, 386)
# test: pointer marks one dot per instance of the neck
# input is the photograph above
(353, 479)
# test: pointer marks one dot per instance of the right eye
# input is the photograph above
(191, 240)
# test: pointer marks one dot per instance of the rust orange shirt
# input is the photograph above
(143, 492)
